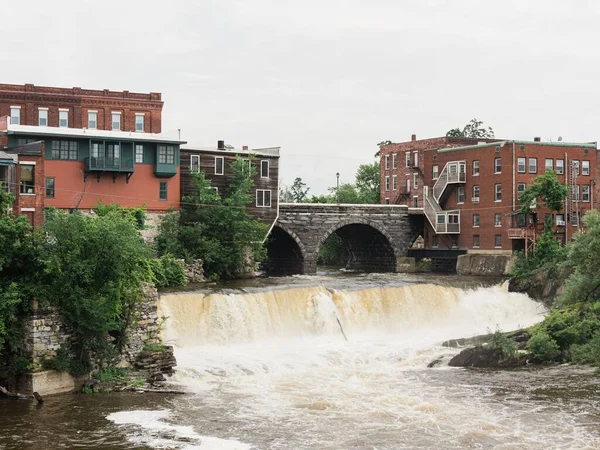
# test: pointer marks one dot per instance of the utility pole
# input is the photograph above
(337, 189)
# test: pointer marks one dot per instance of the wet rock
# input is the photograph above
(484, 357)
(156, 377)
(434, 363)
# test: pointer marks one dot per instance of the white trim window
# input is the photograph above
(195, 163)
(476, 168)
(15, 115)
(521, 165)
(263, 198)
(395, 161)
(139, 122)
(416, 159)
(585, 193)
(575, 166)
(387, 162)
(475, 193)
(394, 182)
(264, 168)
(139, 153)
(520, 189)
(497, 192)
(219, 165)
(116, 120)
(42, 117)
(532, 165)
(92, 120)
(548, 164)
(476, 220)
(387, 183)
(27, 178)
(585, 167)
(560, 166)
(415, 180)
(460, 195)
(63, 118)
(498, 241)
(475, 241)
(407, 159)
(498, 219)
(497, 165)
(434, 172)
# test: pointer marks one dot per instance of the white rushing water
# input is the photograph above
(274, 370)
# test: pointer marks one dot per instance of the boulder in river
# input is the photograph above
(484, 357)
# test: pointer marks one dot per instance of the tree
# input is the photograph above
(473, 129)
(299, 191)
(367, 182)
(546, 188)
(218, 230)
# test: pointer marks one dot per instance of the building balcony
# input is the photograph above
(103, 164)
(521, 233)
(163, 170)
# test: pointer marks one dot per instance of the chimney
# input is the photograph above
(537, 139)
(221, 145)
(413, 137)
(245, 148)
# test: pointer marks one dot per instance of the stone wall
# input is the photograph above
(486, 265)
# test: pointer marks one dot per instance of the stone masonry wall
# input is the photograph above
(45, 333)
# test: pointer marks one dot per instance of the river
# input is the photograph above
(329, 362)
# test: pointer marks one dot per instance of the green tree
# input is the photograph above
(546, 188)
(473, 129)
(367, 182)
(93, 269)
(298, 190)
(218, 230)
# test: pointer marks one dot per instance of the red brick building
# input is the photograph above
(90, 146)
(80, 108)
(468, 189)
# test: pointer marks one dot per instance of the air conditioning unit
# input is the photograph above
(475, 200)
(560, 223)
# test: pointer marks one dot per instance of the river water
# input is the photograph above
(329, 362)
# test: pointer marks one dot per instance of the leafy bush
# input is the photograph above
(166, 272)
(136, 215)
(61, 362)
(588, 353)
(543, 348)
(333, 252)
(499, 341)
(111, 374)
(20, 365)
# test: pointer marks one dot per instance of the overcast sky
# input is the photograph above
(325, 80)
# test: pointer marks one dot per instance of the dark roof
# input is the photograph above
(33, 148)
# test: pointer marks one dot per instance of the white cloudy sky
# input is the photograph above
(324, 79)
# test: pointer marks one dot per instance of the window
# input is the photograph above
(27, 179)
(387, 183)
(415, 159)
(575, 167)
(521, 220)
(387, 162)
(585, 167)
(549, 164)
(585, 193)
(139, 122)
(139, 154)
(43, 117)
(460, 195)
(63, 118)
(475, 220)
(92, 120)
(498, 192)
(395, 161)
(475, 193)
(498, 165)
(532, 165)
(65, 150)
(575, 193)
(263, 198)
(407, 159)
(522, 148)
(434, 172)
(15, 115)
(521, 165)
(116, 120)
(394, 181)
(498, 219)
(415, 180)
(162, 191)
(453, 218)
(50, 187)
(560, 220)
(548, 219)
(166, 154)
(520, 189)
(113, 155)
(454, 241)
(415, 201)
(435, 242)
(408, 185)
(219, 163)
(560, 166)
(195, 163)
(475, 241)
(476, 168)
(264, 168)
(498, 241)
(387, 201)
(497, 149)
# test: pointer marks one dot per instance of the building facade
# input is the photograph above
(468, 189)
(80, 108)
(216, 163)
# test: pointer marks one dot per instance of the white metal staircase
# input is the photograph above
(444, 222)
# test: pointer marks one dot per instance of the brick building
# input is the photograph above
(80, 108)
(468, 189)
(216, 165)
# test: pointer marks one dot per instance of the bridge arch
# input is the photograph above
(370, 247)
(286, 254)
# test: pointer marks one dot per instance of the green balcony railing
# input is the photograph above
(103, 164)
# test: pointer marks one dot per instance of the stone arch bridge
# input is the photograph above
(376, 236)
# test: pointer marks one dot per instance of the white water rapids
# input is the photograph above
(272, 370)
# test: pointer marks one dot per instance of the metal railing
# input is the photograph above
(447, 177)
(110, 164)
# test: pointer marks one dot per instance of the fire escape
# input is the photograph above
(444, 222)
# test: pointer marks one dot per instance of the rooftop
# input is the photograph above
(32, 130)
(517, 142)
(265, 151)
